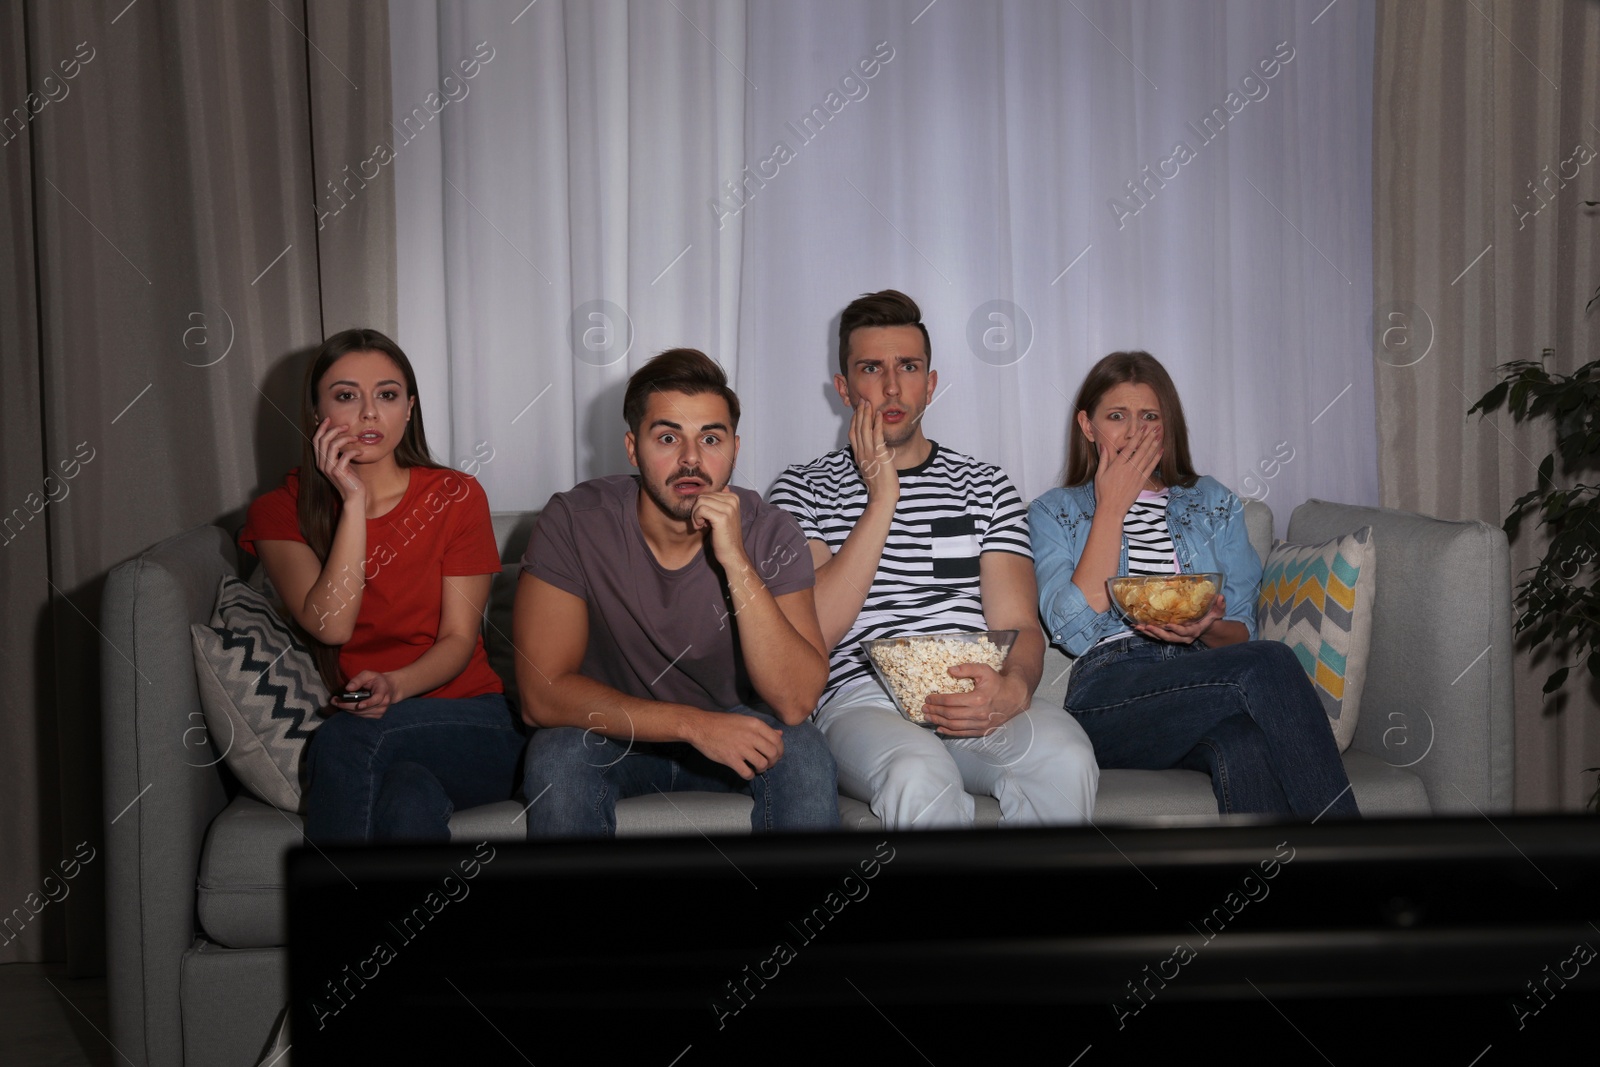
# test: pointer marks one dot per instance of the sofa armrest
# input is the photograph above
(1437, 698)
(162, 788)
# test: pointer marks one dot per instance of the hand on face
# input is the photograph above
(685, 450)
(874, 458)
(363, 400)
(1125, 429)
(1123, 472)
(334, 447)
(719, 513)
(887, 367)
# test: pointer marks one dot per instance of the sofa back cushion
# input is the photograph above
(511, 532)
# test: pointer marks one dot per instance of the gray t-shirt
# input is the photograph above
(654, 633)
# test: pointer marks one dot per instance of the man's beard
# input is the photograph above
(670, 504)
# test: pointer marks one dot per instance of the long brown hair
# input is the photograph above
(1139, 368)
(318, 503)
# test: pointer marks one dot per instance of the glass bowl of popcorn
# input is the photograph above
(1164, 599)
(915, 665)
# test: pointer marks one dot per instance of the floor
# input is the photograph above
(48, 1020)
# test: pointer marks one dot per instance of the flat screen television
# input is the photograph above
(1458, 941)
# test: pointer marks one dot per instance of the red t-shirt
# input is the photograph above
(440, 528)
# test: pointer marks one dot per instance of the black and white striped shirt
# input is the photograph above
(1150, 547)
(952, 509)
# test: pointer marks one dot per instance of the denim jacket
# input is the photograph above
(1207, 527)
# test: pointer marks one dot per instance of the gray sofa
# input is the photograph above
(196, 909)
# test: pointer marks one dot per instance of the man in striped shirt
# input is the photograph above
(908, 537)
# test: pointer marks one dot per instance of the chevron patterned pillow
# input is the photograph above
(1317, 599)
(261, 693)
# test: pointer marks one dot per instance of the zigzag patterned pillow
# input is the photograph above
(1317, 599)
(261, 693)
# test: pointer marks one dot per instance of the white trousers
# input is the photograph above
(1040, 765)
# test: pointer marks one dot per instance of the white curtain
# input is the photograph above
(728, 175)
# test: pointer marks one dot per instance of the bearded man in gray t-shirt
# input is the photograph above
(665, 629)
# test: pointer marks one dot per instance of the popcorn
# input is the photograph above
(917, 666)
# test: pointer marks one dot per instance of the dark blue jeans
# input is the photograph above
(574, 778)
(1244, 714)
(401, 776)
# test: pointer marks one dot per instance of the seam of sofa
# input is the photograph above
(140, 565)
(1502, 689)
(257, 887)
(1485, 538)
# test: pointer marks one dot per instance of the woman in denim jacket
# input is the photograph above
(1205, 695)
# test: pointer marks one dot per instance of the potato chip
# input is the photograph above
(1164, 599)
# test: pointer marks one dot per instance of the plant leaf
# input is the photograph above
(1554, 682)
(1491, 400)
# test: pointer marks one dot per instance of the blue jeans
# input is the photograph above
(574, 778)
(1245, 714)
(401, 776)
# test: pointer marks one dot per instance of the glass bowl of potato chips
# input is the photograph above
(1164, 599)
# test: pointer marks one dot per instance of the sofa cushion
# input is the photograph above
(1317, 599)
(260, 692)
(511, 532)
(653, 814)
(1383, 788)
(242, 901)
(497, 629)
(684, 813)
(855, 815)
(1140, 796)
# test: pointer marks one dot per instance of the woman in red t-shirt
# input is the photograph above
(385, 560)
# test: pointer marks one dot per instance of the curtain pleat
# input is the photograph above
(166, 195)
(1483, 254)
(31, 841)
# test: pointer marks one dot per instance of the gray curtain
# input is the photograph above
(164, 277)
(1482, 256)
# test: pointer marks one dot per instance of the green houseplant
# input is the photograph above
(1560, 603)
